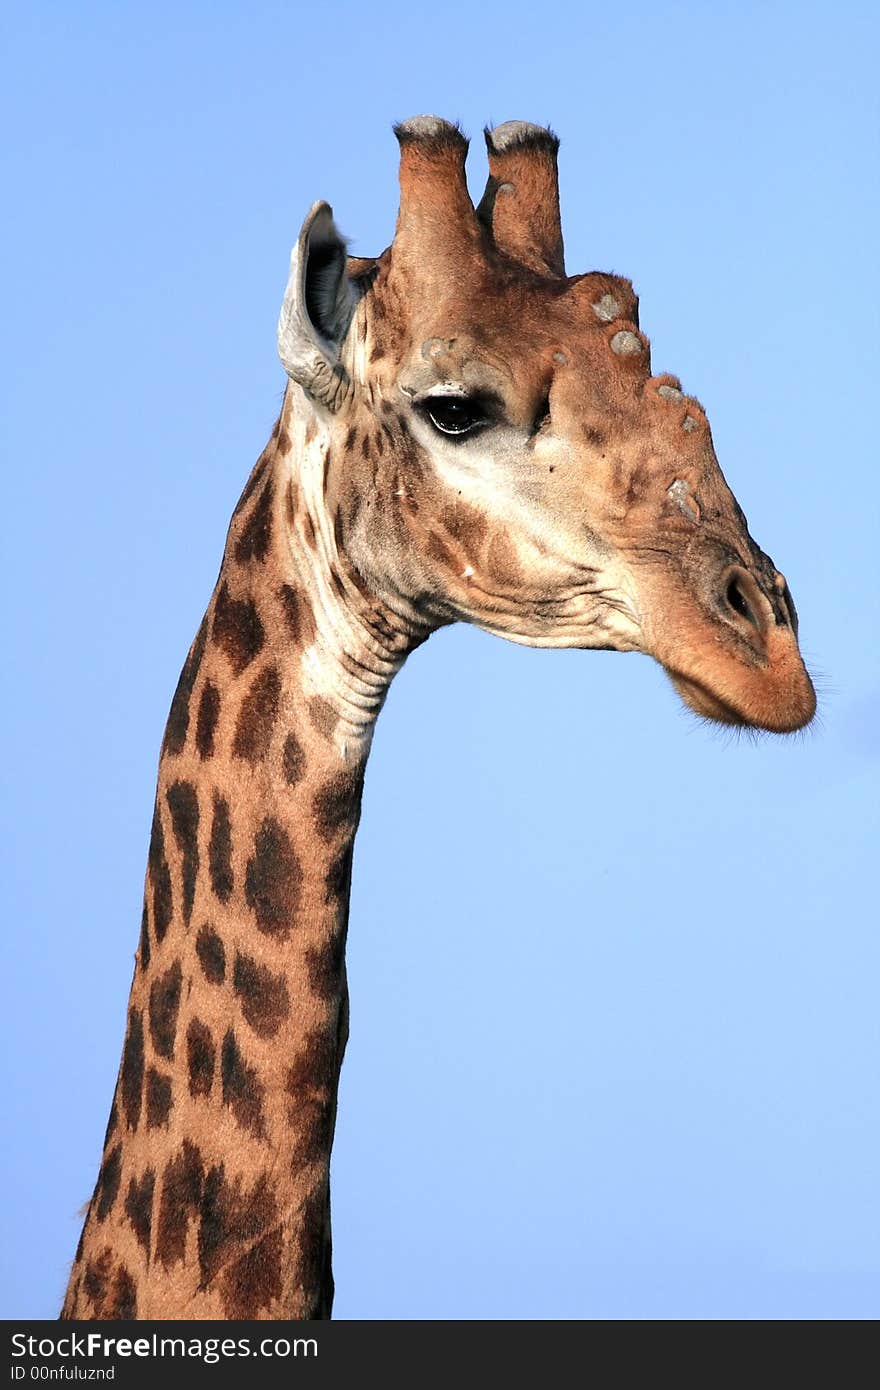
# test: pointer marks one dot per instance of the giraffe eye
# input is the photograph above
(454, 415)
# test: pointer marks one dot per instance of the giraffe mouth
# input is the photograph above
(777, 697)
(706, 703)
(732, 655)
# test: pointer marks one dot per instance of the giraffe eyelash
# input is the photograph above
(542, 414)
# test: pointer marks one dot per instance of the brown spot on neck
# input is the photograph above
(111, 1291)
(144, 943)
(242, 1091)
(311, 1087)
(181, 1195)
(164, 1005)
(293, 760)
(298, 617)
(211, 954)
(252, 1282)
(323, 715)
(230, 1217)
(183, 803)
(272, 879)
(160, 878)
(158, 1098)
(139, 1206)
(338, 803)
(178, 717)
(256, 718)
(200, 1058)
(253, 543)
(108, 1182)
(132, 1074)
(220, 850)
(258, 473)
(264, 999)
(237, 628)
(206, 720)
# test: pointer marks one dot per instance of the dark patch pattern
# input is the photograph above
(230, 1217)
(323, 715)
(338, 803)
(132, 1075)
(206, 720)
(337, 884)
(96, 1278)
(164, 1004)
(257, 475)
(108, 1182)
(178, 716)
(293, 760)
(252, 1283)
(324, 965)
(183, 803)
(237, 629)
(298, 616)
(253, 543)
(242, 1091)
(144, 944)
(160, 878)
(272, 879)
(181, 1196)
(211, 954)
(139, 1206)
(315, 1274)
(112, 1122)
(158, 1098)
(311, 1083)
(220, 850)
(256, 718)
(200, 1055)
(113, 1297)
(265, 1002)
(121, 1306)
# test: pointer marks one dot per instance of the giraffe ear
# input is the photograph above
(318, 305)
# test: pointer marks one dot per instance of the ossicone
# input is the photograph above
(520, 207)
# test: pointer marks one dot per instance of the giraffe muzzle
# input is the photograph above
(733, 654)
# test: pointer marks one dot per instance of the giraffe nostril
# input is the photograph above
(739, 603)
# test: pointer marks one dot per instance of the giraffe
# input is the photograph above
(467, 433)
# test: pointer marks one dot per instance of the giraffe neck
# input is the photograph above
(213, 1198)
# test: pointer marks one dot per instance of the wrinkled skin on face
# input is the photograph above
(503, 456)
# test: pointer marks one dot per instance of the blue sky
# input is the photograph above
(614, 1046)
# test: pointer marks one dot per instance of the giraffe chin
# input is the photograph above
(782, 711)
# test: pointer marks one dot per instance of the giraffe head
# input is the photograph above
(495, 448)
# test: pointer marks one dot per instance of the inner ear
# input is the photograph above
(325, 300)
